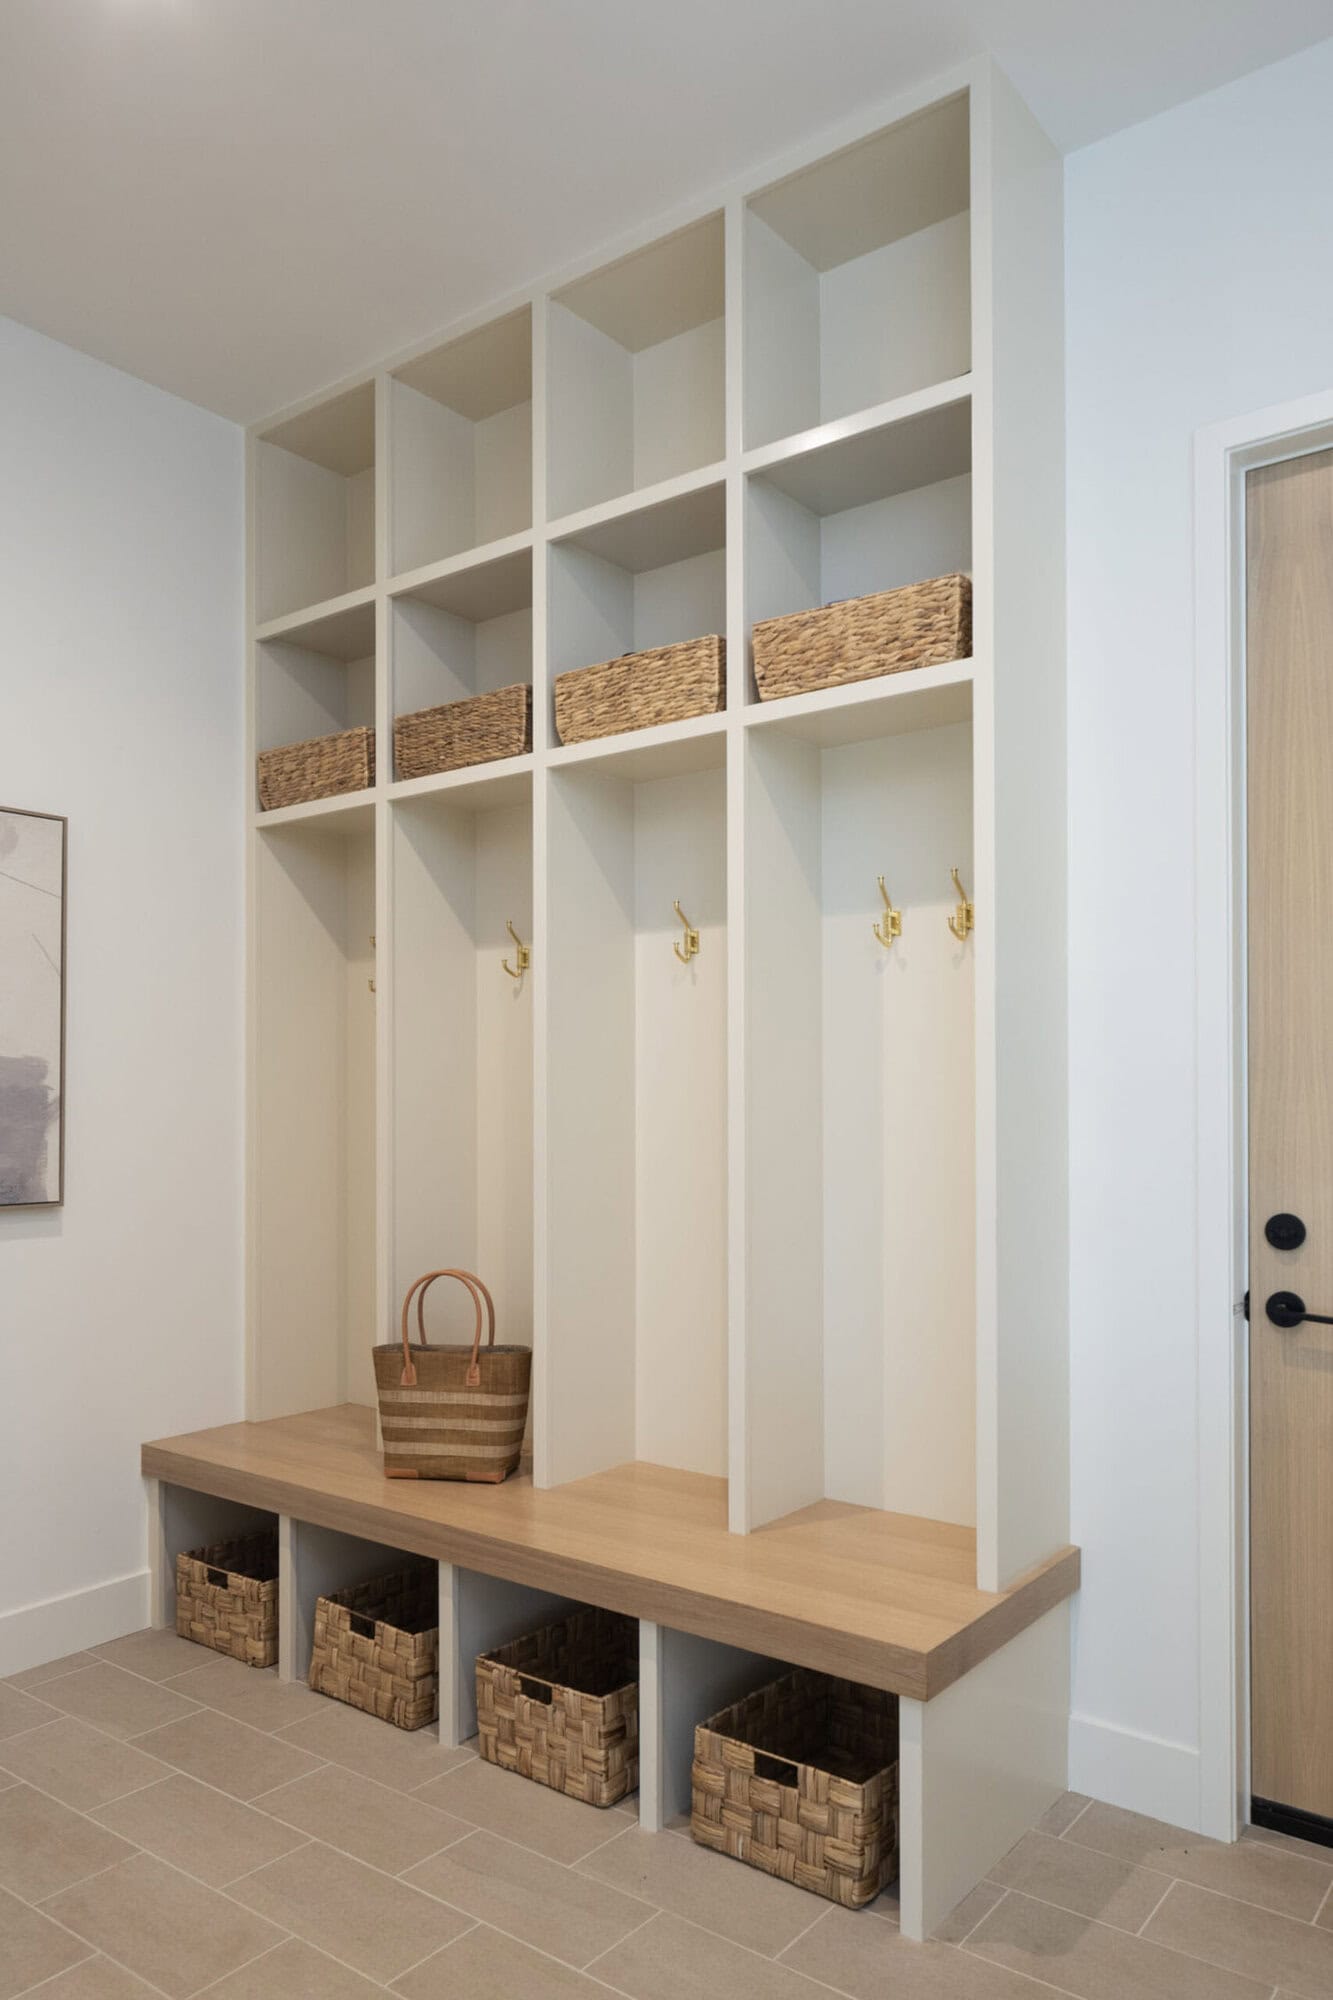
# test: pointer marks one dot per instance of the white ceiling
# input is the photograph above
(244, 200)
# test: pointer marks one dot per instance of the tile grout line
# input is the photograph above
(1155, 1944)
(1170, 1885)
(1004, 1891)
(439, 1951)
(1188, 1882)
(97, 1951)
(1085, 1807)
(51, 1977)
(1323, 1905)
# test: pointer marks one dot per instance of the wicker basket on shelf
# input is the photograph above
(801, 1779)
(377, 1647)
(666, 684)
(561, 1706)
(476, 731)
(921, 625)
(320, 769)
(227, 1597)
(451, 1412)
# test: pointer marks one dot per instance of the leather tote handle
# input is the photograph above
(408, 1377)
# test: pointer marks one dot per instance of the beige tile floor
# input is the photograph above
(173, 1824)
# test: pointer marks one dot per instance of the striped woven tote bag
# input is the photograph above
(452, 1412)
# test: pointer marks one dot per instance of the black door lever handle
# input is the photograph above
(1287, 1309)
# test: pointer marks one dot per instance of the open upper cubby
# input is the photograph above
(857, 276)
(461, 453)
(315, 505)
(462, 633)
(316, 680)
(463, 1038)
(861, 1318)
(636, 1124)
(647, 578)
(312, 1215)
(885, 506)
(636, 370)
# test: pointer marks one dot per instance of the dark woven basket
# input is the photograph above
(921, 625)
(475, 731)
(801, 1780)
(377, 1647)
(561, 1706)
(320, 769)
(227, 1597)
(452, 1412)
(667, 684)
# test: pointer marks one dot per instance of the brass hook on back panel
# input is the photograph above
(890, 925)
(964, 916)
(689, 946)
(522, 952)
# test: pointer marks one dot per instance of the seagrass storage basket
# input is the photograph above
(227, 1597)
(319, 769)
(801, 1779)
(452, 1412)
(666, 684)
(921, 625)
(562, 1706)
(377, 1647)
(475, 731)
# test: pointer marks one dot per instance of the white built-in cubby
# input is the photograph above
(317, 678)
(462, 1044)
(858, 276)
(314, 505)
(635, 1282)
(637, 374)
(647, 578)
(860, 1087)
(462, 631)
(460, 428)
(313, 1109)
(881, 506)
(790, 1216)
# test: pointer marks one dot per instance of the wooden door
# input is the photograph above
(1289, 534)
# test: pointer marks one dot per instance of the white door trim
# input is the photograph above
(1223, 454)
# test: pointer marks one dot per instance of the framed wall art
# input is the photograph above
(32, 1008)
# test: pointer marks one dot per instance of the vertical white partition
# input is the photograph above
(477, 1614)
(316, 1562)
(682, 1681)
(1018, 642)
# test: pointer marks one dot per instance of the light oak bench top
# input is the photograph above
(887, 1599)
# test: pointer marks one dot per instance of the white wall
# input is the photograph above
(1200, 287)
(121, 706)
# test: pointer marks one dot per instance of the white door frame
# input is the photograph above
(1223, 454)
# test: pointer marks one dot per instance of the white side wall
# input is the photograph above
(120, 706)
(1199, 288)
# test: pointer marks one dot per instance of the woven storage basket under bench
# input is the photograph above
(476, 731)
(562, 1706)
(377, 1647)
(667, 684)
(227, 1597)
(320, 769)
(801, 1779)
(921, 625)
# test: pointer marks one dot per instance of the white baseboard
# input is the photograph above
(1145, 1774)
(32, 1634)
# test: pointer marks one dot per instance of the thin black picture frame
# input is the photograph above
(57, 1200)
